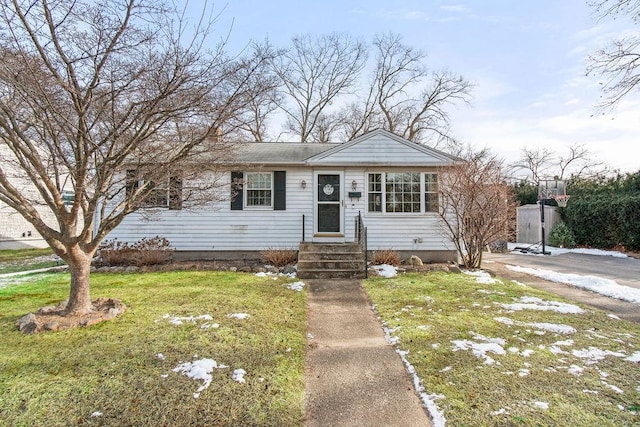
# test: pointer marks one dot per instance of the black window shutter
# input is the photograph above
(236, 190)
(280, 191)
(175, 191)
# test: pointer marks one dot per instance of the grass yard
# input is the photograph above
(512, 365)
(121, 372)
(12, 261)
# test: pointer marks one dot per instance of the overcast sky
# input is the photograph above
(526, 57)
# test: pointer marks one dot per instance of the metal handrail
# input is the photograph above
(303, 228)
(361, 239)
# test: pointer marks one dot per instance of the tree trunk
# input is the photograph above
(79, 267)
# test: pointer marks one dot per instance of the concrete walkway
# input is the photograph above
(353, 376)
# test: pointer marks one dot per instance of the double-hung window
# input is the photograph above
(402, 192)
(163, 193)
(259, 187)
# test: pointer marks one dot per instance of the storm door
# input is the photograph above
(329, 207)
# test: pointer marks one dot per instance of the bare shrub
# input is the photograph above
(386, 256)
(279, 257)
(153, 251)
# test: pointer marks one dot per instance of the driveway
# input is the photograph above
(624, 271)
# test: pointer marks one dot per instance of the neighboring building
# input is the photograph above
(15, 231)
(287, 193)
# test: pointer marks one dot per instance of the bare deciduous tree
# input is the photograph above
(89, 90)
(542, 163)
(478, 206)
(404, 97)
(265, 95)
(313, 72)
(619, 62)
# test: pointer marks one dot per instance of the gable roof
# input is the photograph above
(382, 148)
(376, 148)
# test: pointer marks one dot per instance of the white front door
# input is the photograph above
(329, 199)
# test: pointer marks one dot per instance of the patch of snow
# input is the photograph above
(96, 414)
(498, 412)
(209, 326)
(635, 357)
(240, 316)
(447, 369)
(613, 316)
(422, 327)
(164, 375)
(428, 400)
(198, 370)
(576, 370)
(523, 372)
(160, 356)
(386, 270)
(482, 277)
(594, 354)
(479, 350)
(238, 376)
(556, 350)
(296, 286)
(541, 405)
(527, 353)
(590, 391)
(178, 320)
(534, 303)
(613, 387)
(559, 251)
(550, 327)
(596, 284)
(565, 342)
(261, 274)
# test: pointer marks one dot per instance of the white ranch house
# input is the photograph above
(288, 193)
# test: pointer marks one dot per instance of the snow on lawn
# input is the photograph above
(385, 270)
(428, 400)
(177, 320)
(480, 349)
(296, 286)
(240, 316)
(534, 303)
(199, 370)
(549, 327)
(596, 284)
(482, 277)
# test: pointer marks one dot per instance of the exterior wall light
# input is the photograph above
(303, 184)
(354, 185)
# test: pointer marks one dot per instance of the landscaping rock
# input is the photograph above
(415, 261)
(289, 269)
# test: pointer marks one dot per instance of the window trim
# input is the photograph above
(383, 182)
(245, 196)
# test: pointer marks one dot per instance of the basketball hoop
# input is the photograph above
(561, 200)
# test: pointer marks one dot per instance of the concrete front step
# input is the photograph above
(329, 247)
(312, 256)
(330, 261)
(331, 274)
(331, 264)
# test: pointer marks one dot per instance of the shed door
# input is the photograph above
(329, 208)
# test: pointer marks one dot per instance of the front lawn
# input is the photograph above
(133, 370)
(505, 354)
